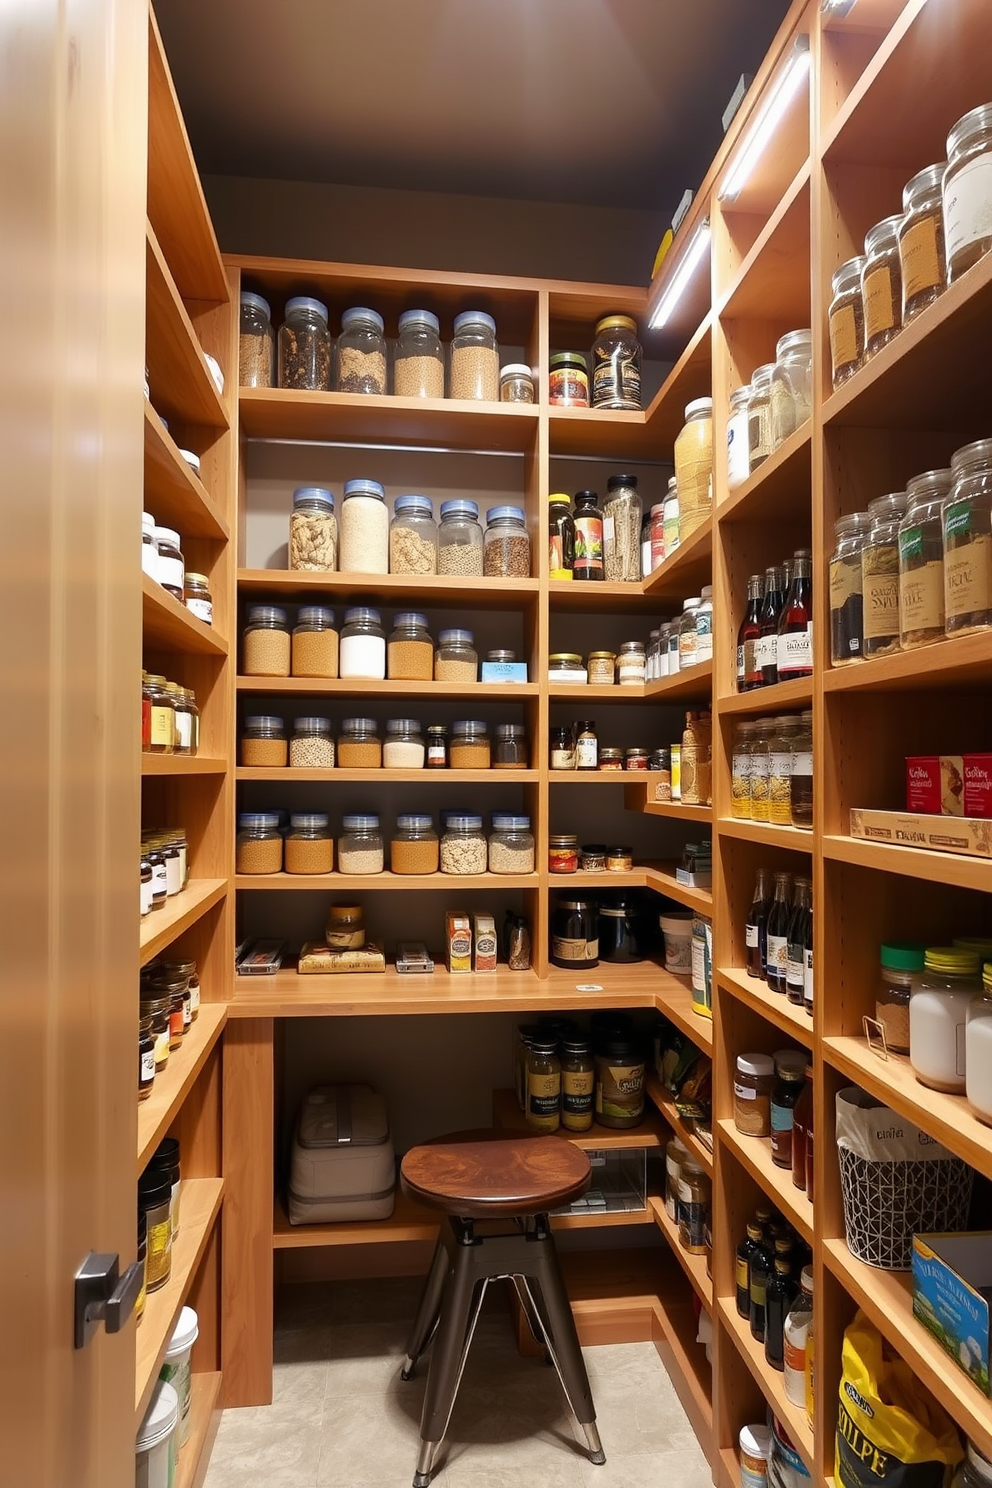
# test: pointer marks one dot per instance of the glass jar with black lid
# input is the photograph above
(619, 931)
(574, 934)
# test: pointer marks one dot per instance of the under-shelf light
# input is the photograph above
(786, 86)
(697, 249)
(836, 8)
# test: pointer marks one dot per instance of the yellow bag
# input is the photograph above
(890, 1429)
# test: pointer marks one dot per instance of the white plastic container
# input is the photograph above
(155, 1446)
(176, 1370)
(677, 930)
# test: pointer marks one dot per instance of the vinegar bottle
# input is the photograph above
(777, 934)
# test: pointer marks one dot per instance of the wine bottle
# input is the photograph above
(777, 934)
(748, 671)
(767, 643)
(795, 959)
(754, 931)
(794, 656)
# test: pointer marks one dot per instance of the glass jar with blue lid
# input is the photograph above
(413, 536)
(361, 353)
(360, 847)
(309, 846)
(266, 644)
(259, 844)
(474, 357)
(305, 346)
(459, 539)
(364, 528)
(463, 846)
(363, 645)
(418, 370)
(507, 545)
(511, 844)
(313, 530)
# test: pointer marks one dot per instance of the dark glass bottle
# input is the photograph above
(587, 519)
(771, 608)
(561, 537)
(802, 1134)
(745, 1251)
(795, 956)
(795, 625)
(757, 917)
(790, 1080)
(777, 934)
(761, 1273)
(779, 1296)
(748, 671)
(808, 963)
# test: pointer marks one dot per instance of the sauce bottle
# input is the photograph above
(777, 934)
(795, 959)
(588, 522)
(779, 1296)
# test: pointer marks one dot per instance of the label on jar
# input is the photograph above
(794, 971)
(586, 754)
(589, 544)
(574, 950)
(203, 609)
(766, 651)
(160, 880)
(194, 998)
(843, 337)
(704, 638)
(163, 726)
(184, 730)
(609, 529)
(173, 877)
(437, 754)
(742, 1278)
(794, 653)
(170, 572)
(920, 258)
(161, 1053)
(776, 952)
(879, 307)
(563, 759)
(692, 1219)
(966, 578)
(146, 1072)
(543, 1096)
(845, 581)
(781, 1118)
(576, 1093)
(149, 560)
(802, 763)
(619, 1090)
(881, 612)
(921, 598)
(617, 379)
(741, 766)
(968, 205)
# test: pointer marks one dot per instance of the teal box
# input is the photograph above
(952, 1285)
(504, 671)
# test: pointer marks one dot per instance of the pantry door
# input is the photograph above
(73, 88)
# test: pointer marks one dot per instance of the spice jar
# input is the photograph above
(543, 1108)
(314, 643)
(516, 941)
(510, 751)
(790, 1079)
(574, 933)
(602, 668)
(309, 846)
(155, 1203)
(363, 645)
(631, 664)
(694, 1193)
(361, 353)
(880, 575)
(622, 530)
(740, 788)
(846, 321)
(562, 754)
(345, 929)
(938, 1008)
(899, 964)
(738, 459)
(922, 261)
(694, 466)
(459, 539)
(563, 853)
(413, 536)
(259, 843)
(404, 747)
(266, 642)
(506, 545)
(921, 561)
(568, 380)
(566, 666)
(364, 528)
(256, 342)
(170, 565)
(619, 1083)
(801, 774)
(619, 858)
(359, 745)
(966, 518)
(968, 191)
(414, 846)
(456, 659)
(197, 597)
(154, 1010)
(616, 363)
(418, 370)
(263, 742)
(474, 357)
(516, 385)
(146, 1057)
(561, 536)
(360, 849)
(587, 519)
(881, 285)
(753, 1079)
(410, 654)
(511, 845)
(305, 346)
(759, 420)
(578, 1082)
(791, 393)
(978, 1051)
(313, 531)
(687, 632)
(592, 857)
(463, 846)
(182, 742)
(470, 748)
(312, 744)
(437, 746)
(636, 758)
(846, 597)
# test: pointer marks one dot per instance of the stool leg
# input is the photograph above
(562, 1341)
(460, 1308)
(427, 1309)
(530, 1311)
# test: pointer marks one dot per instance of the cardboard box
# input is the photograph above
(935, 785)
(458, 941)
(952, 1286)
(485, 943)
(697, 878)
(954, 834)
(504, 671)
(977, 772)
(318, 959)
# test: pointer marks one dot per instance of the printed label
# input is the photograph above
(574, 950)
(617, 379)
(149, 560)
(966, 578)
(744, 1092)
(808, 979)
(737, 450)
(845, 580)
(609, 529)
(184, 730)
(148, 1064)
(766, 651)
(794, 653)
(879, 309)
(968, 205)
(752, 937)
(586, 754)
(920, 259)
(793, 978)
(203, 609)
(576, 1092)
(881, 613)
(171, 572)
(776, 952)
(163, 725)
(750, 659)
(556, 557)
(543, 1095)
(921, 598)
(802, 764)
(741, 767)
(843, 337)
(589, 544)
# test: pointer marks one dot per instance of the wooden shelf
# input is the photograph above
(606, 433)
(694, 683)
(409, 1221)
(779, 490)
(678, 811)
(776, 269)
(794, 695)
(674, 1335)
(565, 595)
(691, 377)
(172, 1084)
(665, 1102)
(162, 926)
(769, 835)
(355, 418)
(181, 764)
(912, 862)
(390, 777)
(388, 589)
(777, 1009)
(769, 1381)
(755, 1154)
(471, 692)
(694, 1266)
(561, 692)
(340, 883)
(661, 878)
(652, 1132)
(674, 1001)
(204, 1421)
(684, 571)
(200, 1205)
(182, 386)
(176, 496)
(168, 624)
(962, 663)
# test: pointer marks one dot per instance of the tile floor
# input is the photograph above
(341, 1415)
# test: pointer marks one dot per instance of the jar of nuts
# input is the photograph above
(507, 546)
(413, 536)
(463, 846)
(266, 642)
(259, 844)
(418, 371)
(312, 744)
(313, 531)
(315, 643)
(361, 363)
(309, 846)
(305, 346)
(459, 539)
(360, 848)
(474, 357)
(263, 742)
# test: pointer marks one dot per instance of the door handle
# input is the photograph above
(102, 1295)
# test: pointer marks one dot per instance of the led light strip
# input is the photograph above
(698, 248)
(756, 140)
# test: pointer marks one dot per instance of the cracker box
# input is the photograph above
(935, 785)
(485, 942)
(952, 1286)
(458, 941)
(977, 774)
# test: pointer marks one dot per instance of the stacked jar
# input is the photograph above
(418, 369)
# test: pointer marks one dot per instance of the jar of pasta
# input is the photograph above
(740, 804)
(922, 261)
(846, 321)
(780, 769)
(881, 285)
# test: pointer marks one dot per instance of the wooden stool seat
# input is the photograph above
(482, 1174)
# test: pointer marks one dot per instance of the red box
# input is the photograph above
(977, 773)
(934, 784)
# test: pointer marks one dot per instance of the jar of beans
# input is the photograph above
(259, 844)
(312, 745)
(474, 357)
(359, 746)
(361, 352)
(313, 531)
(414, 847)
(263, 742)
(309, 844)
(413, 536)
(410, 654)
(364, 528)
(463, 846)
(305, 346)
(363, 645)
(459, 539)
(456, 659)
(404, 748)
(256, 342)
(470, 748)
(266, 642)
(360, 848)
(507, 546)
(315, 643)
(511, 845)
(418, 371)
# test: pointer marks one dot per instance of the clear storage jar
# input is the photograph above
(759, 419)
(622, 512)
(968, 191)
(792, 385)
(309, 846)
(738, 460)
(456, 659)
(966, 518)
(687, 632)
(694, 466)
(410, 651)
(846, 321)
(364, 528)
(313, 531)
(899, 963)
(978, 1051)
(184, 719)
(459, 539)
(506, 545)
(315, 643)
(266, 642)
(312, 744)
(846, 595)
(510, 751)
(413, 536)
(259, 844)
(170, 565)
(616, 363)
(359, 745)
(922, 260)
(463, 845)
(474, 358)
(404, 747)
(631, 664)
(256, 342)
(881, 285)
(938, 1010)
(470, 748)
(740, 795)
(414, 846)
(516, 385)
(511, 845)
(360, 846)
(161, 714)
(921, 561)
(801, 774)
(263, 742)
(567, 667)
(197, 597)
(363, 645)
(670, 519)
(361, 352)
(305, 346)
(568, 380)
(880, 575)
(418, 368)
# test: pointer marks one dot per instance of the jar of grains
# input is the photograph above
(312, 744)
(469, 749)
(759, 421)
(511, 751)
(968, 191)
(305, 346)
(259, 844)
(602, 668)
(364, 528)
(463, 846)
(170, 565)
(880, 575)
(622, 530)
(616, 364)
(688, 633)
(516, 385)
(474, 357)
(506, 544)
(738, 465)
(846, 596)
(410, 654)
(967, 523)
(938, 1011)
(363, 645)
(592, 857)
(309, 846)
(846, 322)
(801, 776)
(361, 353)
(266, 642)
(899, 963)
(568, 380)
(360, 848)
(563, 853)
(263, 742)
(921, 561)
(740, 793)
(694, 465)
(456, 660)
(780, 745)
(631, 664)
(922, 261)
(404, 747)
(413, 536)
(418, 370)
(414, 846)
(313, 530)
(459, 539)
(881, 285)
(315, 643)
(792, 385)
(256, 343)
(197, 597)
(511, 845)
(437, 746)
(359, 745)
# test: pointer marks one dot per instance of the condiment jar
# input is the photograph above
(511, 845)
(463, 846)
(474, 358)
(309, 846)
(456, 659)
(738, 462)
(631, 664)
(620, 940)
(687, 632)
(437, 746)
(410, 652)
(899, 963)
(459, 539)
(266, 644)
(759, 420)
(616, 363)
(506, 546)
(801, 774)
(586, 745)
(360, 846)
(602, 668)
(922, 261)
(592, 857)
(968, 191)
(619, 858)
(259, 843)
(966, 518)
(978, 1051)
(880, 575)
(790, 1079)
(197, 597)
(313, 531)
(155, 1202)
(740, 789)
(510, 751)
(418, 368)
(469, 748)
(938, 1008)
(578, 1081)
(846, 597)
(543, 1109)
(622, 513)
(312, 745)
(404, 747)
(363, 645)
(364, 528)
(694, 1192)
(791, 391)
(170, 565)
(753, 1080)
(694, 466)
(256, 342)
(345, 927)
(314, 643)
(881, 285)
(619, 1082)
(676, 1153)
(413, 536)
(921, 561)
(183, 742)
(263, 742)
(846, 320)
(562, 753)
(154, 1009)
(414, 846)
(567, 667)
(636, 758)
(516, 385)
(587, 519)
(146, 1057)
(568, 380)
(359, 745)
(161, 714)
(305, 346)
(563, 853)
(361, 353)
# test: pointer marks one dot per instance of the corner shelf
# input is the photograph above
(772, 492)
(756, 994)
(388, 589)
(797, 693)
(650, 1133)
(182, 386)
(181, 764)
(178, 498)
(168, 624)
(476, 692)
(694, 1266)
(912, 862)
(172, 1084)
(444, 424)
(959, 662)
(665, 1103)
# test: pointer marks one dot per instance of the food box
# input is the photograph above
(978, 785)
(935, 785)
(485, 942)
(504, 671)
(458, 941)
(971, 836)
(952, 1287)
(316, 958)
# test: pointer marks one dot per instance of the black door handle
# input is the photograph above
(102, 1295)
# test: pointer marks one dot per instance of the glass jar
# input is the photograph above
(921, 561)
(622, 514)
(149, 552)
(780, 770)
(671, 521)
(619, 1081)
(474, 358)
(361, 353)
(170, 565)
(414, 847)
(506, 544)
(738, 459)
(631, 664)
(456, 659)
(602, 669)
(563, 853)
(314, 650)
(313, 531)
(567, 667)
(760, 768)
(577, 1084)
(197, 597)
(259, 843)
(561, 536)
(359, 745)
(510, 751)
(305, 346)
(345, 930)
(636, 758)
(881, 285)
(968, 191)
(145, 900)
(687, 632)
(753, 1080)
(309, 846)
(404, 748)
(312, 745)
(695, 1193)
(978, 1051)
(616, 363)
(759, 418)
(266, 642)
(801, 774)
(938, 1009)
(620, 939)
(975, 1471)
(463, 846)
(880, 575)
(511, 845)
(966, 518)
(364, 528)
(574, 932)
(162, 715)
(418, 370)
(459, 539)
(256, 343)
(846, 596)
(790, 1079)
(363, 645)
(792, 385)
(586, 745)
(899, 962)
(263, 742)
(568, 380)
(470, 748)
(413, 536)
(146, 1058)
(619, 858)
(696, 759)
(592, 857)
(846, 321)
(694, 466)
(657, 536)
(360, 847)
(740, 791)
(154, 1008)
(155, 1203)
(922, 262)
(410, 656)
(587, 520)
(160, 886)
(561, 747)
(516, 385)
(704, 625)
(542, 1112)
(437, 746)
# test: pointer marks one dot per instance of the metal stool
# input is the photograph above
(479, 1176)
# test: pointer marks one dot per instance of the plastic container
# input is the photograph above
(259, 843)
(312, 744)
(474, 358)
(315, 643)
(256, 342)
(846, 320)
(676, 927)
(968, 191)
(938, 1009)
(313, 531)
(155, 1447)
(364, 528)
(360, 846)
(459, 539)
(616, 363)
(176, 1371)
(755, 1448)
(309, 846)
(506, 545)
(413, 536)
(694, 466)
(410, 652)
(966, 518)
(921, 561)
(363, 645)
(305, 346)
(418, 369)
(266, 643)
(263, 742)
(923, 262)
(361, 353)
(456, 659)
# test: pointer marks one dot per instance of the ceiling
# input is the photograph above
(595, 102)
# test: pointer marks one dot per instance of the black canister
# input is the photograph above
(574, 935)
(619, 932)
